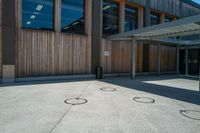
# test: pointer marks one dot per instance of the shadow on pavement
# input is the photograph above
(189, 96)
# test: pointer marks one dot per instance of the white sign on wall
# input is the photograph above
(106, 53)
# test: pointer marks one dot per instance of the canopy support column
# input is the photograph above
(177, 59)
(133, 58)
(199, 76)
(158, 59)
(186, 61)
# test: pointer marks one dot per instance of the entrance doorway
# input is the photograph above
(193, 62)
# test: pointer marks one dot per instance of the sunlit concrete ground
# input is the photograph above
(40, 108)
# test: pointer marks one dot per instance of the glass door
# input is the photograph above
(193, 62)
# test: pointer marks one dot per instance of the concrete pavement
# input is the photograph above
(40, 108)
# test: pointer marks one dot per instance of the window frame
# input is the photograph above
(84, 16)
(112, 2)
(155, 14)
(53, 19)
(137, 17)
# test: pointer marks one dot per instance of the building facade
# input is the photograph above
(68, 37)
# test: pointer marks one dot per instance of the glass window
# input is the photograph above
(155, 18)
(130, 18)
(73, 16)
(37, 14)
(110, 17)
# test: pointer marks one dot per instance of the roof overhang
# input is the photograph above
(181, 27)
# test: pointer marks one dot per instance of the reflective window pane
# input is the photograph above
(130, 18)
(37, 14)
(155, 18)
(110, 17)
(73, 18)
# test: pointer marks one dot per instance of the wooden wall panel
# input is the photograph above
(170, 7)
(139, 65)
(43, 53)
(152, 58)
(189, 10)
(167, 6)
(119, 60)
(168, 58)
(140, 2)
(105, 61)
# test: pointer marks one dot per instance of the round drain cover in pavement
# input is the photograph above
(76, 101)
(143, 100)
(192, 114)
(108, 89)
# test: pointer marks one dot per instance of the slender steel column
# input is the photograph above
(133, 59)
(186, 61)
(199, 74)
(158, 59)
(177, 59)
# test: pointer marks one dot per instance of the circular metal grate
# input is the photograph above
(143, 100)
(76, 101)
(191, 114)
(108, 89)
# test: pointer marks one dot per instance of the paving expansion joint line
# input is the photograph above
(60, 119)
(84, 90)
(68, 110)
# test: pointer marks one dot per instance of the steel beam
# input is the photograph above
(185, 22)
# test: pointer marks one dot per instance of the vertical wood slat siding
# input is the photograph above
(140, 2)
(119, 60)
(168, 58)
(105, 61)
(43, 53)
(189, 10)
(169, 6)
(139, 65)
(153, 58)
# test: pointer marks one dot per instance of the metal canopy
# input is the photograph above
(161, 33)
(181, 27)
